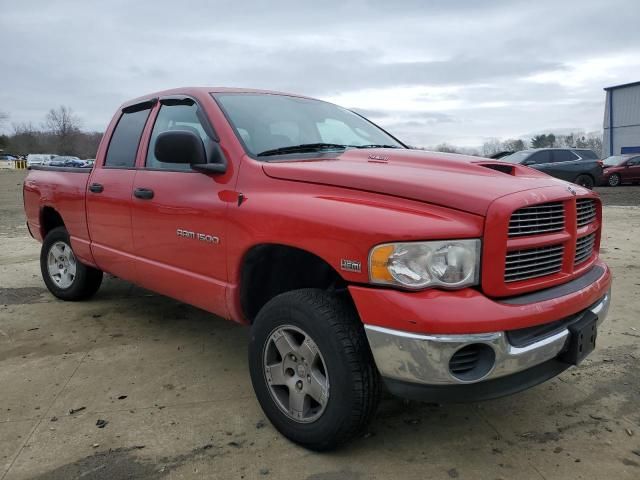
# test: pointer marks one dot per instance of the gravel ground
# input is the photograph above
(172, 385)
(626, 196)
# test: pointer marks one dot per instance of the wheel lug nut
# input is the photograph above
(293, 357)
(299, 385)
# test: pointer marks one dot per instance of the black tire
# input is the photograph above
(613, 180)
(334, 326)
(585, 181)
(86, 281)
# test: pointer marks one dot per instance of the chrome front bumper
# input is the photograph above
(424, 359)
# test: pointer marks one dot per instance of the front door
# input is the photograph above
(109, 196)
(178, 218)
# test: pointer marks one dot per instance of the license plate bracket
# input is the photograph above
(582, 339)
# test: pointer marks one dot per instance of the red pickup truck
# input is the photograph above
(355, 260)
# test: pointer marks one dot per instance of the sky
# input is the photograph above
(430, 72)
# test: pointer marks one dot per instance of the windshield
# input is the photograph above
(613, 160)
(269, 123)
(517, 157)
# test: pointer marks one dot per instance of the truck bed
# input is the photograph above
(63, 190)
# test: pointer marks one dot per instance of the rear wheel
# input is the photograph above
(585, 181)
(614, 180)
(63, 274)
(312, 369)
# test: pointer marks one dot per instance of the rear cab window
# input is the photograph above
(123, 146)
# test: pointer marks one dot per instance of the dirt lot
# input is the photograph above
(172, 384)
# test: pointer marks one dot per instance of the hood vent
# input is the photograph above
(499, 167)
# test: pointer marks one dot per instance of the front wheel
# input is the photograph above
(63, 274)
(312, 369)
(585, 181)
(614, 180)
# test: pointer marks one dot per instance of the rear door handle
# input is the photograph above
(143, 193)
(96, 188)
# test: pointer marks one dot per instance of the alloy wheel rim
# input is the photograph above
(61, 264)
(613, 180)
(296, 374)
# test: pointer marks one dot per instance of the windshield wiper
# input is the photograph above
(305, 147)
(373, 145)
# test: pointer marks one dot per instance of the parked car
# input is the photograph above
(353, 259)
(39, 158)
(8, 157)
(619, 169)
(577, 165)
(66, 161)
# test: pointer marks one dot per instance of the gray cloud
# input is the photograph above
(429, 71)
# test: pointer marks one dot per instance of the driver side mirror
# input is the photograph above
(184, 146)
(528, 162)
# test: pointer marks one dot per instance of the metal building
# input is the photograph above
(622, 119)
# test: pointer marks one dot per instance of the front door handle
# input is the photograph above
(143, 193)
(96, 188)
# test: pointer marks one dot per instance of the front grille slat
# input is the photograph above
(544, 263)
(586, 211)
(536, 219)
(526, 255)
(533, 262)
(584, 248)
(532, 272)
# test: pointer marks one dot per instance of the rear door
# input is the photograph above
(179, 216)
(109, 195)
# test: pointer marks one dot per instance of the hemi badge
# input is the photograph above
(350, 265)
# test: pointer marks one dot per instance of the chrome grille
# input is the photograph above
(584, 248)
(533, 262)
(586, 211)
(543, 218)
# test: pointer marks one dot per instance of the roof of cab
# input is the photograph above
(200, 90)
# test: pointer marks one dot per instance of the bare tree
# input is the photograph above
(4, 116)
(491, 147)
(64, 126)
(445, 148)
(513, 145)
(26, 139)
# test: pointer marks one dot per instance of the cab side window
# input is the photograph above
(634, 162)
(176, 117)
(123, 146)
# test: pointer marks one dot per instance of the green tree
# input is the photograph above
(539, 141)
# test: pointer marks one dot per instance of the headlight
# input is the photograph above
(417, 265)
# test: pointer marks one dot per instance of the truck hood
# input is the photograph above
(462, 182)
